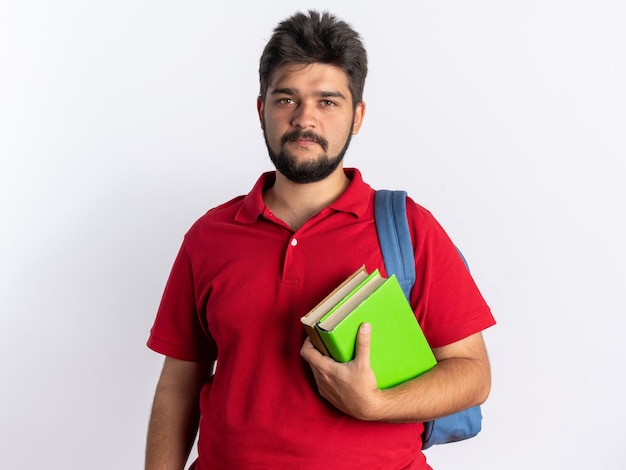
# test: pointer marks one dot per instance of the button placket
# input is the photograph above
(291, 272)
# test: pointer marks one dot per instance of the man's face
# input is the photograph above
(308, 119)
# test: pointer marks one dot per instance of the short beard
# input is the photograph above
(310, 171)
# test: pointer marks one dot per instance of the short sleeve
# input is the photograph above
(179, 330)
(446, 300)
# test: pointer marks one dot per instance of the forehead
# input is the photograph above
(305, 78)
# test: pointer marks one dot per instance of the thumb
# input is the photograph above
(362, 350)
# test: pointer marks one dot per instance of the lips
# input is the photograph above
(305, 142)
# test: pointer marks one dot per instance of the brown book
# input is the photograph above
(315, 315)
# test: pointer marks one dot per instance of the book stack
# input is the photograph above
(398, 349)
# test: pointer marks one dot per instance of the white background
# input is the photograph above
(121, 122)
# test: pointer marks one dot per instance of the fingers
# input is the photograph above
(307, 349)
(310, 354)
(362, 350)
(361, 353)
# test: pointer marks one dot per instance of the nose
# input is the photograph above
(305, 116)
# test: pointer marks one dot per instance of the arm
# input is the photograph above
(461, 379)
(175, 414)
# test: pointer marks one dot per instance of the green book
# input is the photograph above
(399, 350)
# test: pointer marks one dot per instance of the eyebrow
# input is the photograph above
(321, 94)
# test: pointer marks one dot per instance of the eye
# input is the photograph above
(286, 101)
(328, 103)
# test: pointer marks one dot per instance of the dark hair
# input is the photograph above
(316, 38)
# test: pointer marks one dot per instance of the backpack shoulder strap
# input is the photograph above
(394, 237)
(395, 243)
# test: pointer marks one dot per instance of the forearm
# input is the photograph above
(461, 379)
(171, 433)
(453, 385)
(174, 420)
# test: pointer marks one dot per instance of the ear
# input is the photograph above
(359, 114)
(259, 109)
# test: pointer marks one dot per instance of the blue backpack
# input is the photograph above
(397, 249)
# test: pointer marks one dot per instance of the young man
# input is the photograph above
(249, 269)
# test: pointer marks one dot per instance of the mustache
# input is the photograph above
(308, 135)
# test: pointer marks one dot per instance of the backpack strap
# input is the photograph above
(397, 248)
(394, 237)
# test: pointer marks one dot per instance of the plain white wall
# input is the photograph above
(121, 122)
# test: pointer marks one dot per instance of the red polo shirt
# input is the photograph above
(240, 283)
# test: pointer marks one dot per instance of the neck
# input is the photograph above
(295, 203)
